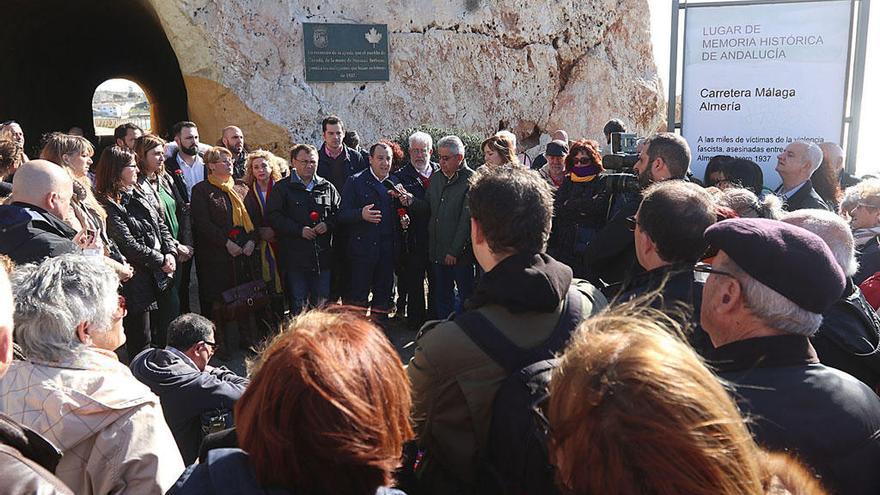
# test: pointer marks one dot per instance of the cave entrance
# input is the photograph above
(119, 101)
(57, 52)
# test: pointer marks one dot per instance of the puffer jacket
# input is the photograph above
(144, 240)
(108, 426)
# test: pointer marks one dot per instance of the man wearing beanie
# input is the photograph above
(763, 298)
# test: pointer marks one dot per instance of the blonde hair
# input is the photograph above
(57, 146)
(216, 154)
(270, 159)
(866, 191)
(634, 410)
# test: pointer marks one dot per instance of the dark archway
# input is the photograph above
(56, 52)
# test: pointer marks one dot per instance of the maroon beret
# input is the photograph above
(790, 260)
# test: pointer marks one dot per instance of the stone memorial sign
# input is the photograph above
(345, 52)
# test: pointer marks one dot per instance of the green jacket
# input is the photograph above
(449, 227)
(454, 384)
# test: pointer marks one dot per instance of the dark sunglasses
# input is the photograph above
(584, 160)
(633, 222)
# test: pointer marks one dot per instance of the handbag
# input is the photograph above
(242, 299)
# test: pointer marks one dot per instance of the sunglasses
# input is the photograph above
(584, 160)
(633, 222)
(703, 270)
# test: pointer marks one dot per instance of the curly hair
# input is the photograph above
(588, 146)
(270, 159)
(10, 157)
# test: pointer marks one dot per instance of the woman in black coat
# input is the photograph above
(142, 236)
(580, 206)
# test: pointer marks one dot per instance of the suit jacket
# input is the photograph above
(173, 168)
(805, 197)
(365, 238)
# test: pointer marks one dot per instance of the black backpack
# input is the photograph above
(515, 460)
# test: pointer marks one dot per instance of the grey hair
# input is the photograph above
(509, 135)
(771, 307)
(421, 137)
(747, 205)
(833, 230)
(814, 155)
(54, 297)
(452, 143)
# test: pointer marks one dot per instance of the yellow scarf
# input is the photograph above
(240, 217)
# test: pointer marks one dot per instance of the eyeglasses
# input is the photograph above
(703, 270)
(633, 222)
(212, 345)
(584, 160)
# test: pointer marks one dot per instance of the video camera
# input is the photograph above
(623, 152)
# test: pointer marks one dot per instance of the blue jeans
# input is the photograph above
(307, 289)
(446, 280)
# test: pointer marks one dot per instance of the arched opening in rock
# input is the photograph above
(56, 52)
(118, 101)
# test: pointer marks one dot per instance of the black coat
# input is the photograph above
(365, 239)
(806, 197)
(338, 170)
(288, 210)
(868, 256)
(142, 236)
(849, 337)
(172, 168)
(611, 254)
(28, 234)
(579, 211)
(417, 233)
(825, 416)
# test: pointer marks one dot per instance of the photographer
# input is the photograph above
(610, 256)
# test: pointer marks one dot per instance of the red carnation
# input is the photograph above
(401, 212)
(234, 233)
(179, 172)
(314, 216)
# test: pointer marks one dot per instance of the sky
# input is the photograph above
(661, 19)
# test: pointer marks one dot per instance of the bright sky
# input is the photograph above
(661, 15)
(117, 85)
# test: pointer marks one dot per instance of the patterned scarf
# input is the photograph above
(240, 217)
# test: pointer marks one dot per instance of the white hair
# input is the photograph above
(833, 230)
(452, 143)
(747, 205)
(771, 307)
(422, 138)
(814, 155)
(54, 297)
(509, 135)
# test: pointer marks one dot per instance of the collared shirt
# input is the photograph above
(192, 174)
(377, 178)
(791, 192)
(309, 186)
(184, 357)
(336, 154)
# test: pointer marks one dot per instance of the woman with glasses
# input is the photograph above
(225, 238)
(634, 410)
(862, 203)
(142, 236)
(74, 391)
(580, 206)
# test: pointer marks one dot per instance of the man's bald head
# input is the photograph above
(46, 185)
(6, 325)
(832, 156)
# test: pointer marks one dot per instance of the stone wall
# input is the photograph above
(529, 65)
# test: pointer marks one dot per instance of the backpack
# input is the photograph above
(515, 459)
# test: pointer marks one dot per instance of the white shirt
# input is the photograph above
(192, 174)
(791, 192)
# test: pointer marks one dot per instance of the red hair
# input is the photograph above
(591, 148)
(328, 408)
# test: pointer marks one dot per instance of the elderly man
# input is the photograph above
(610, 256)
(763, 298)
(553, 169)
(449, 250)
(832, 155)
(849, 336)
(233, 139)
(73, 390)
(32, 227)
(541, 160)
(370, 202)
(193, 393)
(26, 458)
(524, 298)
(795, 166)
(415, 177)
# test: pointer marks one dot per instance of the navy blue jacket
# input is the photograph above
(28, 234)
(365, 238)
(228, 471)
(829, 419)
(186, 393)
(338, 170)
(418, 227)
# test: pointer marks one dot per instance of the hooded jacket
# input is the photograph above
(108, 426)
(186, 393)
(454, 381)
(28, 234)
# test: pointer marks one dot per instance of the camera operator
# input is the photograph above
(610, 256)
(612, 126)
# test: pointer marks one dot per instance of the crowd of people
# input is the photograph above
(581, 328)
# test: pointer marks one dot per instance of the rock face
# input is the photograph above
(528, 65)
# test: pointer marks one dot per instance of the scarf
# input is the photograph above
(584, 174)
(267, 249)
(862, 236)
(240, 217)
